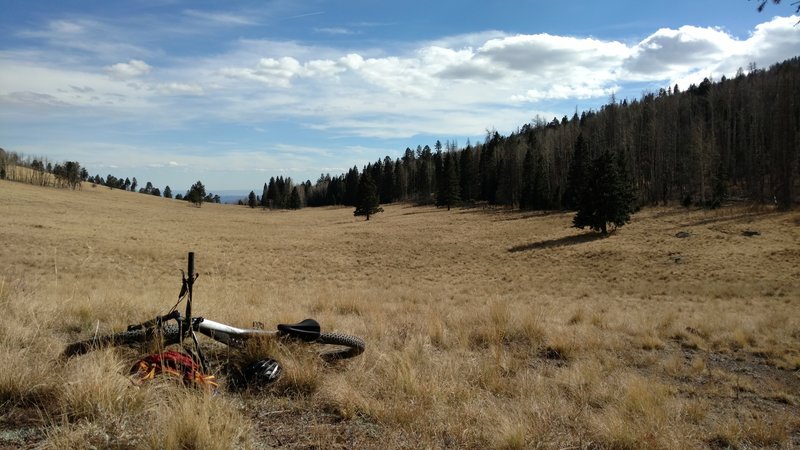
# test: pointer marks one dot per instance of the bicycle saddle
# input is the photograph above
(307, 330)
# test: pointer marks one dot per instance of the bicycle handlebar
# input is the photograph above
(174, 315)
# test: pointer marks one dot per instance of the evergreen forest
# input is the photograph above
(736, 138)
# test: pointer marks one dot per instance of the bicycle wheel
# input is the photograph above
(354, 345)
(170, 333)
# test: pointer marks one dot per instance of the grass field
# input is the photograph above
(485, 328)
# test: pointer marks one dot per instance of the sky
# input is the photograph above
(235, 92)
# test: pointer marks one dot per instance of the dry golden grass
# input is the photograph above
(485, 328)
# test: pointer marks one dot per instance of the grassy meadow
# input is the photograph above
(485, 328)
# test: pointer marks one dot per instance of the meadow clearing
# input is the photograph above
(485, 328)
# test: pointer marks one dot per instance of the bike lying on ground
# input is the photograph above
(341, 346)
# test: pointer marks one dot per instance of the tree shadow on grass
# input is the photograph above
(560, 242)
(743, 217)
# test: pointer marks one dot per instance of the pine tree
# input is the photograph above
(264, 196)
(606, 198)
(294, 199)
(540, 194)
(576, 178)
(167, 192)
(387, 193)
(196, 193)
(528, 179)
(448, 193)
(351, 187)
(468, 175)
(367, 200)
(272, 193)
(251, 200)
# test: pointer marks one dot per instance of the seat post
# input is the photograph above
(187, 324)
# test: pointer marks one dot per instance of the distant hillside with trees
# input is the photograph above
(41, 172)
(735, 138)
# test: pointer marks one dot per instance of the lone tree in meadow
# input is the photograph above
(367, 197)
(251, 200)
(607, 196)
(196, 194)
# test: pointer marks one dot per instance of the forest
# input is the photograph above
(732, 139)
(735, 138)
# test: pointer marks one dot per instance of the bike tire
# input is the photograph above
(354, 345)
(170, 334)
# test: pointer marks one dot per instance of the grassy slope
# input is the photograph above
(485, 328)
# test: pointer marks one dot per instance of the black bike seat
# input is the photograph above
(307, 330)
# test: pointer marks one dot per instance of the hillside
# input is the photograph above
(485, 327)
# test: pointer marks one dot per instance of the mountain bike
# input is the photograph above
(165, 333)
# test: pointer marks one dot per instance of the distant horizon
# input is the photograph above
(175, 92)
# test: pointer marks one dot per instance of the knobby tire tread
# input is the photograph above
(355, 345)
(170, 333)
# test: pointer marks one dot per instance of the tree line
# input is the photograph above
(41, 172)
(735, 138)
(70, 174)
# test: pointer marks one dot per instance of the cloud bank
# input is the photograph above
(90, 70)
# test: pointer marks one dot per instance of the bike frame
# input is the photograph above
(227, 334)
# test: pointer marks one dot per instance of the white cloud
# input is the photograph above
(28, 98)
(455, 85)
(219, 17)
(131, 69)
(547, 53)
(667, 52)
(280, 72)
(84, 39)
(334, 31)
(179, 89)
(65, 27)
(689, 54)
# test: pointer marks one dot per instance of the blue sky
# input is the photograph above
(232, 93)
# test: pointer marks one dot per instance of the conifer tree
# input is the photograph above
(251, 200)
(167, 192)
(576, 178)
(367, 200)
(351, 187)
(448, 193)
(387, 194)
(196, 193)
(294, 199)
(540, 194)
(272, 193)
(528, 179)
(606, 198)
